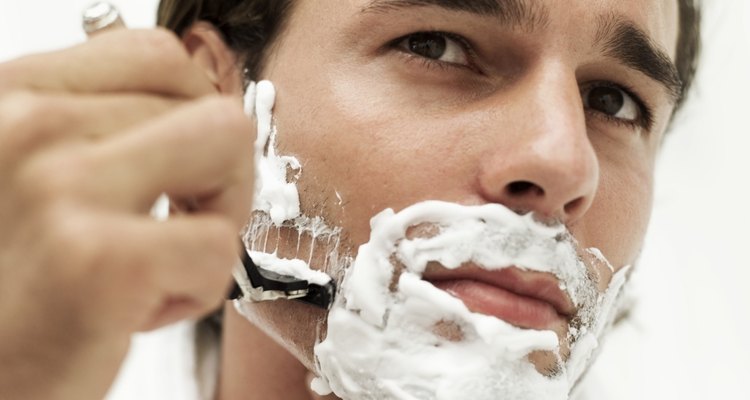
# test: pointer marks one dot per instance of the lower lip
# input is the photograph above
(521, 311)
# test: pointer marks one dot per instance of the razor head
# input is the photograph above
(265, 285)
(321, 296)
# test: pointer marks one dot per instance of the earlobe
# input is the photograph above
(210, 52)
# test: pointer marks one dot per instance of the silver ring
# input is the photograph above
(101, 16)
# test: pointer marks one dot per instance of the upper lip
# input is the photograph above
(532, 284)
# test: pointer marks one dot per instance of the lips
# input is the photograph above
(530, 300)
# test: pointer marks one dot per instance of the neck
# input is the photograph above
(254, 366)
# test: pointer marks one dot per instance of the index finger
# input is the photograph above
(122, 60)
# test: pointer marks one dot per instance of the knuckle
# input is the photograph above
(138, 271)
(76, 240)
(221, 239)
(19, 111)
(54, 176)
(228, 116)
(23, 125)
(16, 74)
(220, 233)
(9, 75)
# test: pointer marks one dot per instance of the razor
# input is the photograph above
(258, 284)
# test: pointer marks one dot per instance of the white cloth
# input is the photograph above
(163, 365)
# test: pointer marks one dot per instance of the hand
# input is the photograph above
(89, 137)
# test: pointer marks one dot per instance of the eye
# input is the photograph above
(612, 101)
(438, 46)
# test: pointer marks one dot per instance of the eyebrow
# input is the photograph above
(622, 40)
(618, 37)
(518, 13)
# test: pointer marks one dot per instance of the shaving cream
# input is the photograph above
(381, 341)
(276, 202)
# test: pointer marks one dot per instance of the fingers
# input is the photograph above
(121, 60)
(31, 121)
(202, 150)
(192, 270)
(89, 137)
(142, 273)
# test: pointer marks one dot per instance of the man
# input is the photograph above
(552, 110)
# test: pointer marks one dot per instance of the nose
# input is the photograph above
(541, 159)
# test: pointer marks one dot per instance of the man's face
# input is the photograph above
(555, 108)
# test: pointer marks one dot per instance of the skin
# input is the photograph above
(87, 139)
(80, 180)
(391, 130)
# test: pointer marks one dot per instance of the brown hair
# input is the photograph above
(250, 27)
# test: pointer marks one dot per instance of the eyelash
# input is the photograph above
(644, 121)
(430, 63)
(645, 115)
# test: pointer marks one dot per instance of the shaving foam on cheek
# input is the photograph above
(383, 342)
(276, 202)
(273, 193)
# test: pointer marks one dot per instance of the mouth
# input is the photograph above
(526, 299)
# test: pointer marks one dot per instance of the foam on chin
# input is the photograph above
(383, 342)
(491, 236)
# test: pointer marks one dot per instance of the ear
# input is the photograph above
(208, 50)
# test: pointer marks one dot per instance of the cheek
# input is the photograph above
(617, 221)
(368, 147)
(338, 151)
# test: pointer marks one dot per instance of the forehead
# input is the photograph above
(657, 18)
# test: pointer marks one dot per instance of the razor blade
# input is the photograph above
(257, 284)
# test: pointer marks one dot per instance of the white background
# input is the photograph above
(689, 338)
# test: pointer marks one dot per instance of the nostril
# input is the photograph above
(572, 206)
(519, 188)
